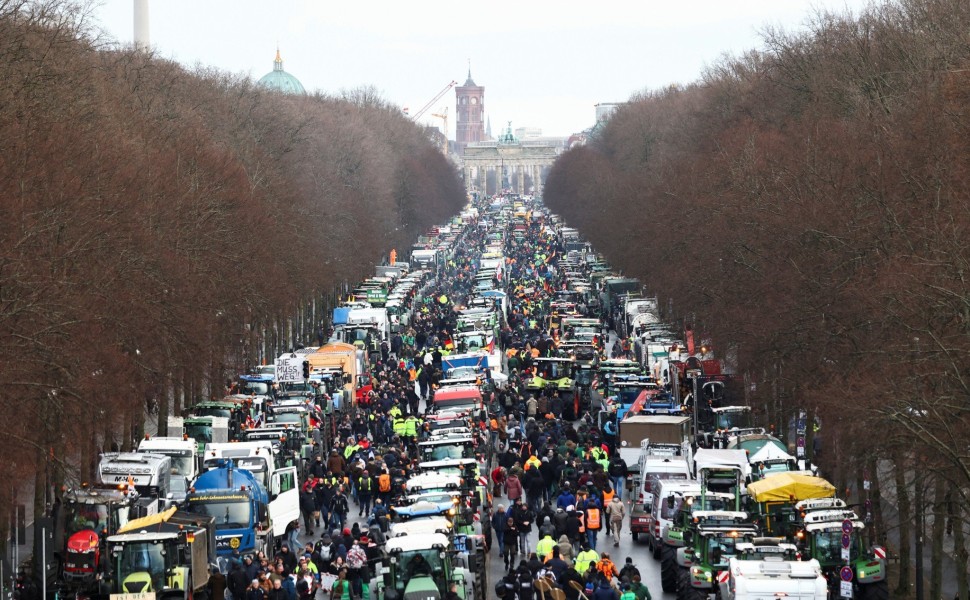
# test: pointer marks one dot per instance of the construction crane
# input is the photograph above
(427, 106)
(444, 117)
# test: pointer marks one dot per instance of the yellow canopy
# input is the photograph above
(785, 486)
(148, 521)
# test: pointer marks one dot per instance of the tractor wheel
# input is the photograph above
(668, 569)
(655, 548)
(874, 591)
(683, 584)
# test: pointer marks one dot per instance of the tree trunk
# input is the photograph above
(905, 525)
(127, 430)
(40, 481)
(939, 523)
(878, 530)
(960, 554)
(166, 391)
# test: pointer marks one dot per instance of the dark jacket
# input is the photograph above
(604, 592)
(237, 582)
(217, 585)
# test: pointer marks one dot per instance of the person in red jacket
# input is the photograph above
(498, 481)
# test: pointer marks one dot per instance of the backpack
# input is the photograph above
(325, 551)
(384, 482)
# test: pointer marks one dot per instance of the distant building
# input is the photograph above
(281, 81)
(604, 110)
(528, 133)
(470, 126)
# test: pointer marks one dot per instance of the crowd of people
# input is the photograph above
(562, 480)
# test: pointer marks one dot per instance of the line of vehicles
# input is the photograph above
(722, 505)
(225, 481)
(747, 518)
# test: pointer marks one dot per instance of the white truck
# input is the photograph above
(182, 450)
(149, 474)
(771, 571)
(425, 259)
(258, 457)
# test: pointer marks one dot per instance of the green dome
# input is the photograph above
(281, 81)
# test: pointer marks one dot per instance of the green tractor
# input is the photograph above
(712, 542)
(676, 534)
(555, 377)
(826, 521)
(424, 566)
(721, 474)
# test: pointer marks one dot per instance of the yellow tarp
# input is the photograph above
(784, 486)
(148, 521)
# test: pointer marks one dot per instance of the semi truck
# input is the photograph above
(203, 429)
(351, 361)
(149, 474)
(249, 517)
(183, 451)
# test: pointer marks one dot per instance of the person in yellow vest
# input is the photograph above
(399, 426)
(586, 558)
(395, 411)
(411, 426)
(545, 546)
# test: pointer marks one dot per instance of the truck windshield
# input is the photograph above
(213, 411)
(729, 420)
(229, 514)
(552, 369)
(200, 432)
(443, 452)
(182, 461)
(141, 567)
(260, 388)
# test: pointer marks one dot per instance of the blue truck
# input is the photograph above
(249, 517)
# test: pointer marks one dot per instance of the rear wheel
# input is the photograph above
(668, 569)
(635, 536)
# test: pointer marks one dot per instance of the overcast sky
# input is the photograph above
(543, 63)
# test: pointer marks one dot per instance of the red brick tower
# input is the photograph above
(470, 126)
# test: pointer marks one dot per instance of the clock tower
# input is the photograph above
(470, 126)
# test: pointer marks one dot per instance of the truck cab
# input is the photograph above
(182, 450)
(149, 474)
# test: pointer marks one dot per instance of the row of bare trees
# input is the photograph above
(807, 205)
(162, 228)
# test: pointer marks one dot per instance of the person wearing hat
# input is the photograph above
(629, 570)
(254, 591)
(606, 567)
(585, 559)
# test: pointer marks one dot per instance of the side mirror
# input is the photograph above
(670, 502)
